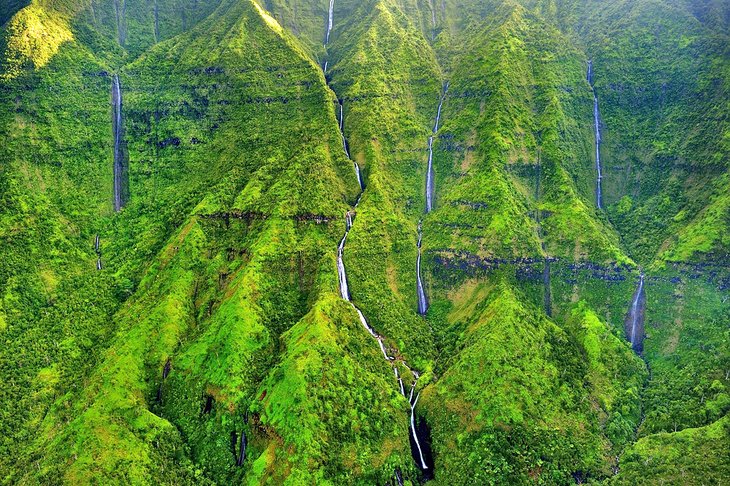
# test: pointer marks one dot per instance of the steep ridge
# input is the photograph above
(192, 282)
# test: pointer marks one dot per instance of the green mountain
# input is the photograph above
(364, 242)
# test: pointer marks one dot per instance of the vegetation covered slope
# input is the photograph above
(213, 345)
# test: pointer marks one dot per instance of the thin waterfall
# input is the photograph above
(429, 172)
(634, 325)
(433, 19)
(415, 436)
(422, 301)
(97, 250)
(242, 449)
(394, 360)
(344, 291)
(597, 132)
(397, 359)
(117, 127)
(422, 305)
(330, 21)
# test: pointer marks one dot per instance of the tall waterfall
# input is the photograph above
(634, 325)
(433, 19)
(422, 301)
(330, 21)
(396, 359)
(597, 131)
(117, 127)
(429, 172)
(422, 305)
(415, 435)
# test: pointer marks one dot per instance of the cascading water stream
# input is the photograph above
(429, 172)
(422, 302)
(413, 431)
(597, 131)
(635, 319)
(118, 149)
(422, 305)
(344, 287)
(344, 145)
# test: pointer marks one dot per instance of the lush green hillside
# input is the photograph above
(206, 341)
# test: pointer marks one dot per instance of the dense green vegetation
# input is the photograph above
(216, 312)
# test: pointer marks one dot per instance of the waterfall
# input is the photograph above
(165, 372)
(398, 477)
(166, 369)
(413, 431)
(400, 381)
(97, 250)
(589, 75)
(330, 20)
(117, 127)
(345, 294)
(635, 319)
(344, 291)
(422, 302)
(242, 450)
(597, 131)
(429, 176)
(429, 172)
(344, 287)
(422, 305)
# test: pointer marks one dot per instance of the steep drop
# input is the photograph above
(120, 168)
(421, 293)
(597, 132)
(634, 325)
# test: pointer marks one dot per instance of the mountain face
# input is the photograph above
(364, 242)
